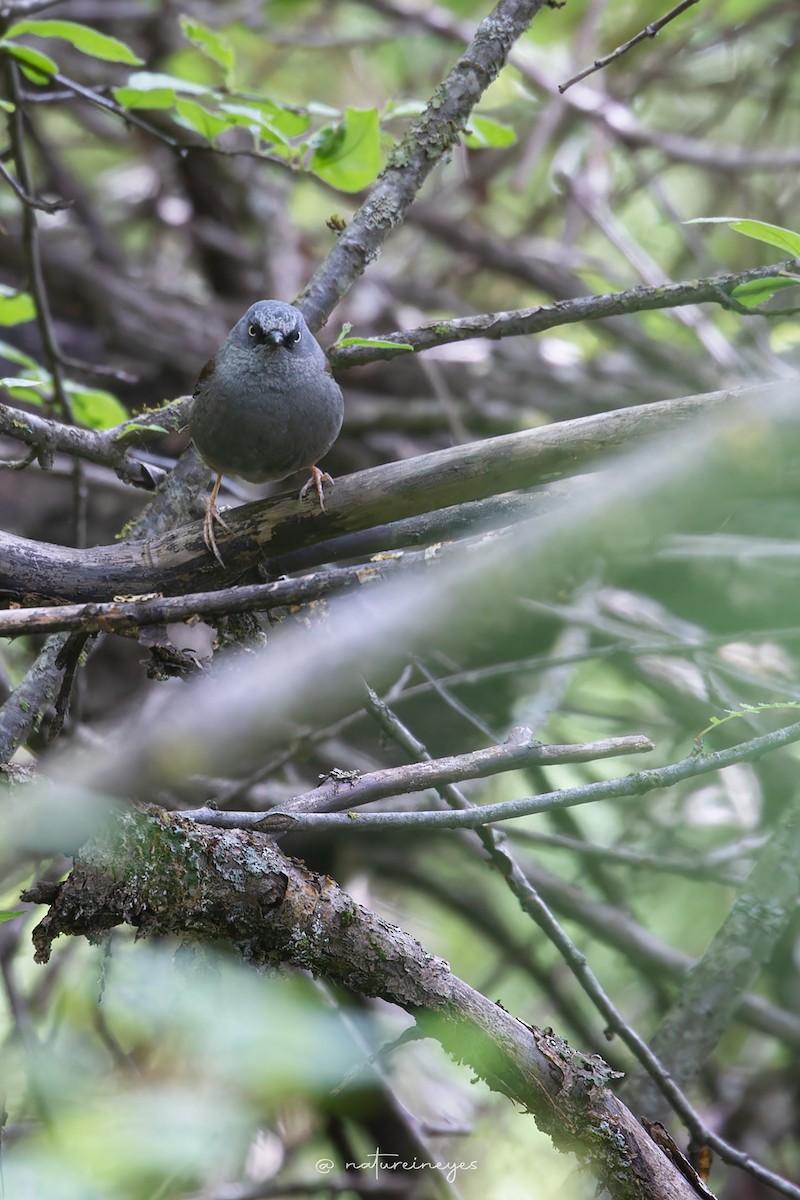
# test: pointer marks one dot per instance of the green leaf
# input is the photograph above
(95, 408)
(29, 390)
(254, 120)
(154, 89)
(485, 133)
(43, 66)
(381, 343)
(757, 291)
(151, 81)
(15, 307)
(82, 37)
(7, 106)
(263, 116)
(348, 155)
(138, 427)
(129, 97)
(404, 108)
(12, 354)
(773, 235)
(214, 45)
(8, 916)
(206, 123)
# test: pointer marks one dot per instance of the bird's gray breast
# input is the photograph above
(264, 418)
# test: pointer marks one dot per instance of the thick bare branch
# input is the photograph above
(178, 560)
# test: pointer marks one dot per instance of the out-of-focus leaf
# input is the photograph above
(130, 97)
(773, 235)
(214, 45)
(155, 89)
(206, 123)
(264, 116)
(9, 916)
(253, 119)
(348, 155)
(485, 133)
(404, 108)
(131, 430)
(13, 354)
(15, 307)
(43, 65)
(95, 408)
(29, 390)
(382, 343)
(757, 291)
(149, 81)
(82, 37)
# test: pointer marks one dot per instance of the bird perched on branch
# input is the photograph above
(266, 405)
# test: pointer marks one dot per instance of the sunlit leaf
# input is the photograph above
(149, 81)
(15, 355)
(773, 235)
(15, 307)
(8, 916)
(95, 408)
(381, 343)
(214, 45)
(32, 391)
(253, 119)
(348, 155)
(404, 108)
(206, 123)
(138, 427)
(757, 291)
(154, 89)
(43, 65)
(130, 97)
(82, 37)
(485, 133)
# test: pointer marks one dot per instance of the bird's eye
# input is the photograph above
(253, 332)
(292, 338)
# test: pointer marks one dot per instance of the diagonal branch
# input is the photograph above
(338, 794)
(413, 159)
(246, 893)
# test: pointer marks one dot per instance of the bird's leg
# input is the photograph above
(213, 514)
(318, 478)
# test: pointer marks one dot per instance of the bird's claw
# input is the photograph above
(318, 480)
(213, 514)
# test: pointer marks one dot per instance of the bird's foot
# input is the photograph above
(213, 514)
(317, 480)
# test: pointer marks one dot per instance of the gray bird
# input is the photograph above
(266, 405)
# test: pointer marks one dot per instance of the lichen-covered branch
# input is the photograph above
(413, 159)
(163, 875)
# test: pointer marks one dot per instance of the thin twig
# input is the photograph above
(637, 784)
(48, 206)
(341, 791)
(524, 321)
(649, 31)
(532, 903)
(30, 237)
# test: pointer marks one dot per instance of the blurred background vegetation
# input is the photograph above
(216, 170)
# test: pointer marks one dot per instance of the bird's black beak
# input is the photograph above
(275, 336)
